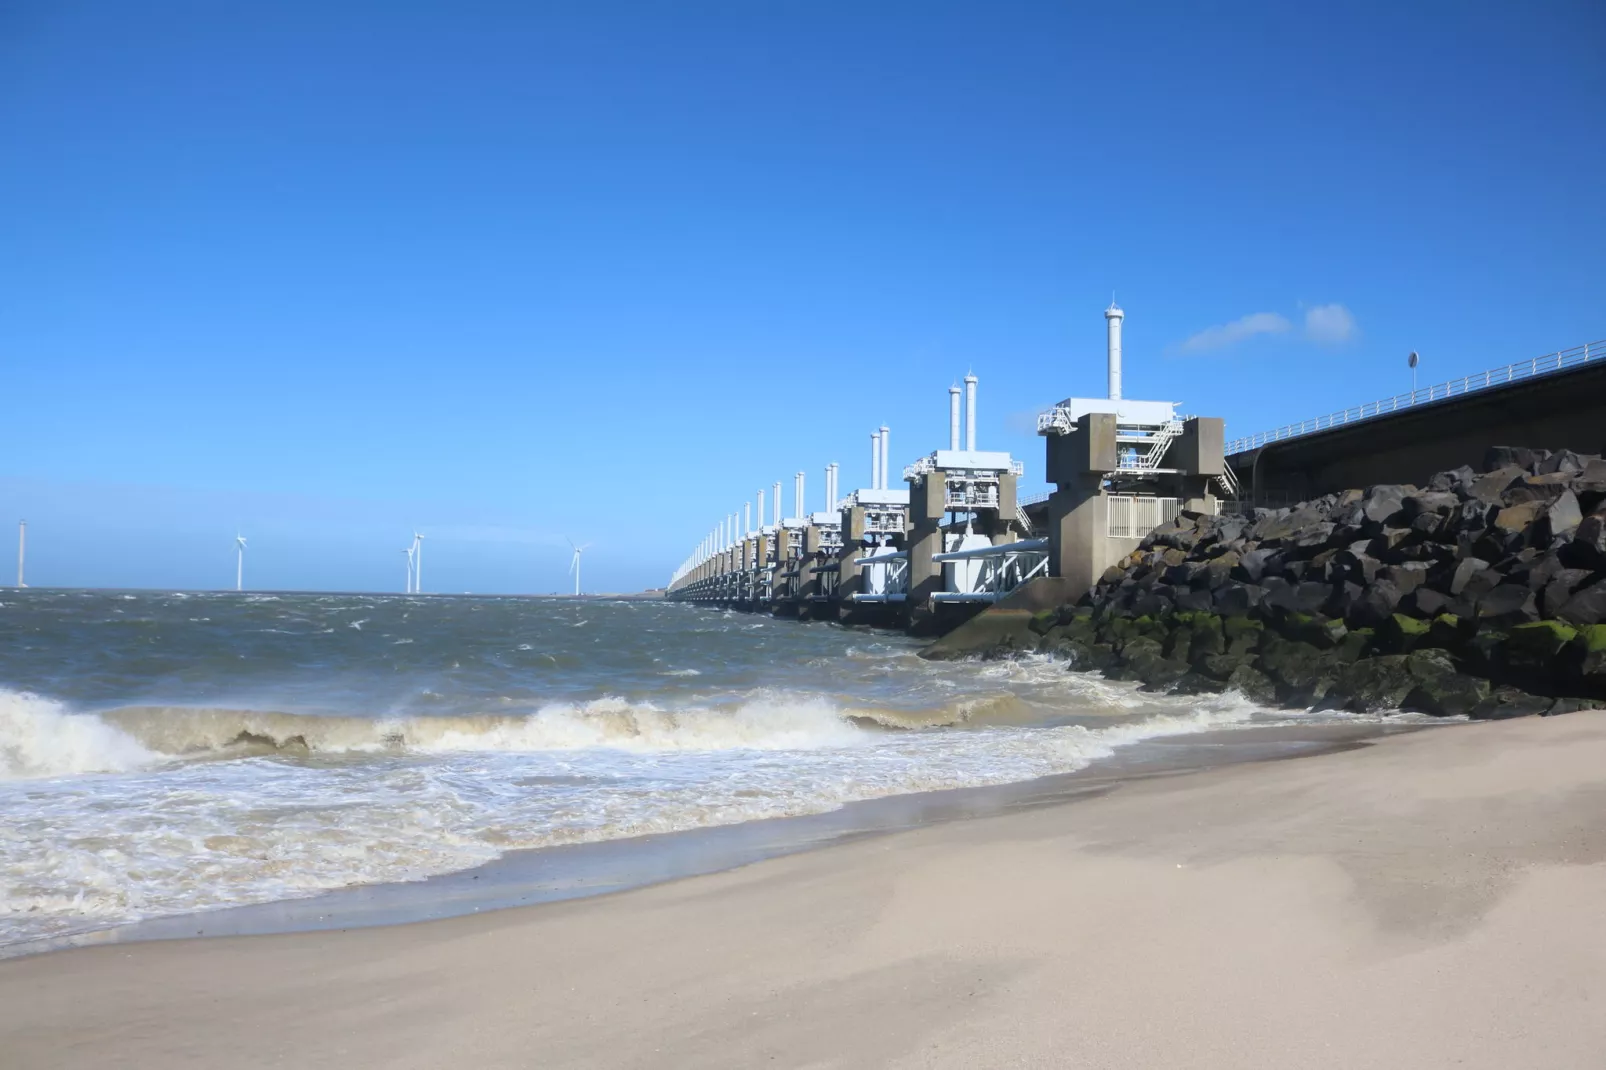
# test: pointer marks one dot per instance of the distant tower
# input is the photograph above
(22, 549)
(1112, 319)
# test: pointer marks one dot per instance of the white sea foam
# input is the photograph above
(84, 852)
(40, 738)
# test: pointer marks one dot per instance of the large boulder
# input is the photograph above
(1372, 684)
(1587, 549)
(1490, 487)
(1505, 702)
(1253, 684)
(1540, 489)
(1586, 606)
(1561, 518)
(1301, 672)
(1521, 457)
(1383, 502)
(1517, 519)
(1590, 651)
(1237, 599)
(1507, 605)
(1533, 650)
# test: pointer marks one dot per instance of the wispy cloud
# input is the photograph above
(1230, 334)
(1329, 325)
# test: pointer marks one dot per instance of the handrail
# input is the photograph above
(1024, 546)
(1549, 364)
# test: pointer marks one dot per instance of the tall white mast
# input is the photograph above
(22, 549)
(1112, 319)
(970, 412)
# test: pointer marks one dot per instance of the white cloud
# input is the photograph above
(1329, 324)
(1230, 334)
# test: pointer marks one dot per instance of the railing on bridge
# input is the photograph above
(996, 571)
(1548, 364)
(884, 577)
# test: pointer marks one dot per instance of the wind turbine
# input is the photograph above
(408, 553)
(574, 563)
(239, 562)
(417, 553)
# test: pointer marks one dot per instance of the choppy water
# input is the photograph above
(162, 753)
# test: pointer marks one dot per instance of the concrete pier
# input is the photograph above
(954, 539)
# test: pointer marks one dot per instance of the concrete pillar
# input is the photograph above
(849, 573)
(762, 550)
(1079, 549)
(784, 561)
(808, 582)
(1005, 524)
(1198, 454)
(1078, 517)
(927, 506)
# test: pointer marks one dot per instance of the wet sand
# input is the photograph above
(1432, 899)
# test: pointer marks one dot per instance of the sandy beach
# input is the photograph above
(1431, 899)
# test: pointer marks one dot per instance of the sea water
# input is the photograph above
(163, 753)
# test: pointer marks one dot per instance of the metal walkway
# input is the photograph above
(1549, 364)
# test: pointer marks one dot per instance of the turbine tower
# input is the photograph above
(22, 549)
(239, 562)
(407, 551)
(574, 564)
(418, 563)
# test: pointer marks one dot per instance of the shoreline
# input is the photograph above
(1422, 901)
(535, 876)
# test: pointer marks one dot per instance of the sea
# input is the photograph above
(166, 753)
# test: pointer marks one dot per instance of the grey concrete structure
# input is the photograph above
(1086, 468)
(1562, 410)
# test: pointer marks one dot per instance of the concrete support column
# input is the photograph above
(808, 582)
(785, 589)
(1078, 518)
(1005, 524)
(1078, 511)
(927, 500)
(850, 574)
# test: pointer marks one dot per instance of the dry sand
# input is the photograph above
(1436, 899)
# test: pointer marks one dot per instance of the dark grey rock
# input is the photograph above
(1536, 489)
(1464, 572)
(1237, 599)
(1382, 502)
(1507, 605)
(1506, 702)
(1253, 684)
(1562, 461)
(1372, 684)
(1586, 606)
(1587, 549)
(1376, 604)
(1561, 517)
(1433, 502)
(1458, 478)
(1559, 590)
(1453, 694)
(1490, 487)
(1515, 456)
(1253, 564)
(1425, 603)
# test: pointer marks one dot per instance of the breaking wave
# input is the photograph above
(39, 737)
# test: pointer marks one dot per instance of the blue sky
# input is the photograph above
(506, 273)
